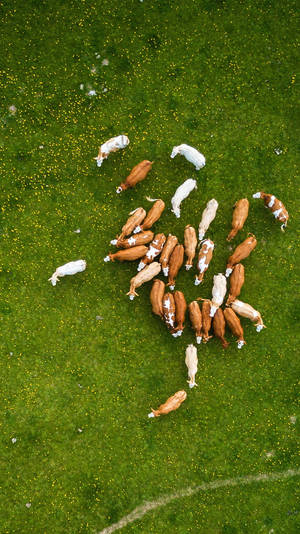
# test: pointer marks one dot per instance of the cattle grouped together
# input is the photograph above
(169, 255)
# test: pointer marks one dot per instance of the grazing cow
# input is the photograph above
(138, 173)
(235, 326)
(191, 154)
(156, 297)
(172, 403)
(237, 279)
(175, 262)
(191, 361)
(112, 145)
(127, 254)
(168, 306)
(169, 246)
(181, 193)
(145, 275)
(277, 208)
(245, 310)
(241, 252)
(240, 214)
(72, 267)
(190, 243)
(153, 215)
(196, 319)
(154, 250)
(137, 216)
(219, 327)
(180, 309)
(208, 216)
(218, 293)
(206, 319)
(204, 257)
(139, 239)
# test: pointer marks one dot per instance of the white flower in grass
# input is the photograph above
(270, 454)
(80, 430)
(278, 151)
(293, 419)
(81, 87)
(77, 231)
(12, 110)
(92, 92)
(104, 62)
(28, 504)
(13, 440)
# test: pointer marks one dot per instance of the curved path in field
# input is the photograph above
(141, 510)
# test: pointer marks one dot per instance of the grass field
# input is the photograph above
(220, 76)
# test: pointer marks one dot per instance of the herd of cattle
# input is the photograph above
(136, 241)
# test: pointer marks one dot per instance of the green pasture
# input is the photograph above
(76, 389)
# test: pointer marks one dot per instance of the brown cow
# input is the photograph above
(172, 403)
(168, 306)
(152, 216)
(237, 279)
(190, 243)
(137, 216)
(128, 254)
(138, 173)
(235, 326)
(144, 276)
(196, 319)
(206, 319)
(277, 208)
(169, 246)
(180, 309)
(241, 252)
(175, 262)
(154, 250)
(219, 327)
(156, 296)
(204, 258)
(240, 214)
(139, 239)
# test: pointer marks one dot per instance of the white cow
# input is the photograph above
(181, 193)
(191, 361)
(72, 267)
(208, 216)
(191, 154)
(112, 145)
(218, 293)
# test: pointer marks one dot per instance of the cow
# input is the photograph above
(127, 254)
(180, 309)
(154, 250)
(143, 276)
(175, 263)
(181, 193)
(168, 306)
(240, 214)
(156, 297)
(166, 252)
(72, 267)
(153, 215)
(208, 216)
(137, 216)
(196, 319)
(235, 326)
(245, 310)
(191, 154)
(138, 173)
(172, 403)
(112, 145)
(241, 252)
(277, 208)
(218, 293)
(206, 319)
(219, 327)
(143, 238)
(204, 258)
(237, 279)
(190, 244)
(191, 361)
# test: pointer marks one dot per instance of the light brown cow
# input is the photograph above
(245, 310)
(180, 309)
(112, 145)
(208, 216)
(196, 319)
(237, 279)
(206, 319)
(137, 216)
(156, 297)
(175, 263)
(172, 403)
(204, 258)
(139, 239)
(144, 276)
(152, 216)
(168, 306)
(128, 254)
(190, 244)
(241, 252)
(169, 246)
(277, 208)
(240, 214)
(154, 250)
(138, 173)
(235, 326)
(219, 327)
(191, 361)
